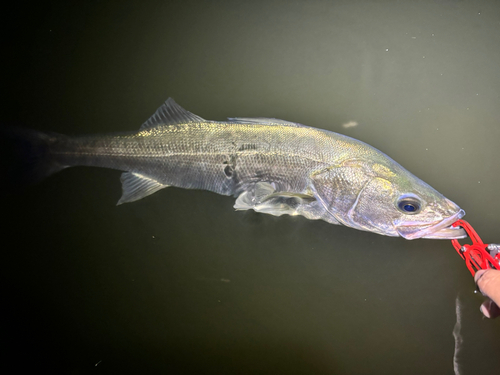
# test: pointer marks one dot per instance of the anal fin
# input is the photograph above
(136, 186)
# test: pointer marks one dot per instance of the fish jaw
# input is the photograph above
(442, 230)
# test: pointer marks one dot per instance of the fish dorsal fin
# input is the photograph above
(170, 113)
(264, 121)
(136, 186)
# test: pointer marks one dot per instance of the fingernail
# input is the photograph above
(485, 311)
(478, 275)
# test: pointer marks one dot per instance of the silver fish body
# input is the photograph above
(271, 166)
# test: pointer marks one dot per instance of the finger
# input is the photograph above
(490, 309)
(488, 282)
(478, 275)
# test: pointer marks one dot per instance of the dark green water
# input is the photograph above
(180, 283)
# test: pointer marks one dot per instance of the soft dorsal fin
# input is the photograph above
(264, 121)
(170, 113)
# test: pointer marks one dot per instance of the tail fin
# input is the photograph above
(25, 157)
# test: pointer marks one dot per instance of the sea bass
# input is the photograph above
(271, 166)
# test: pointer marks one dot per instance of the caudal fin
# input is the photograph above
(25, 157)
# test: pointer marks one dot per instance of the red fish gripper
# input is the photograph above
(478, 255)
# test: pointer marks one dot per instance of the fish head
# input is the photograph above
(385, 198)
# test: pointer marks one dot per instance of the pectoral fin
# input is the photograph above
(248, 199)
(136, 186)
(263, 198)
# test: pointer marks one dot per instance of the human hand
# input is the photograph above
(488, 282)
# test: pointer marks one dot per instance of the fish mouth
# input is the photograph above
(439, 231)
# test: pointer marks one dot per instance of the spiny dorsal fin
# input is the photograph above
(170, 113)
(264, 121)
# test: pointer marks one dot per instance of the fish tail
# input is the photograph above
(26, 156)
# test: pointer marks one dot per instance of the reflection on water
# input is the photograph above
(458, 337)
(139, 287)
(350, 124)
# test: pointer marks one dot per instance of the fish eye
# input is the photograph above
(409, 205)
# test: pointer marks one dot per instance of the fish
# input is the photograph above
(269, 165)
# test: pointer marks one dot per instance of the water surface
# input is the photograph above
(181, 283)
